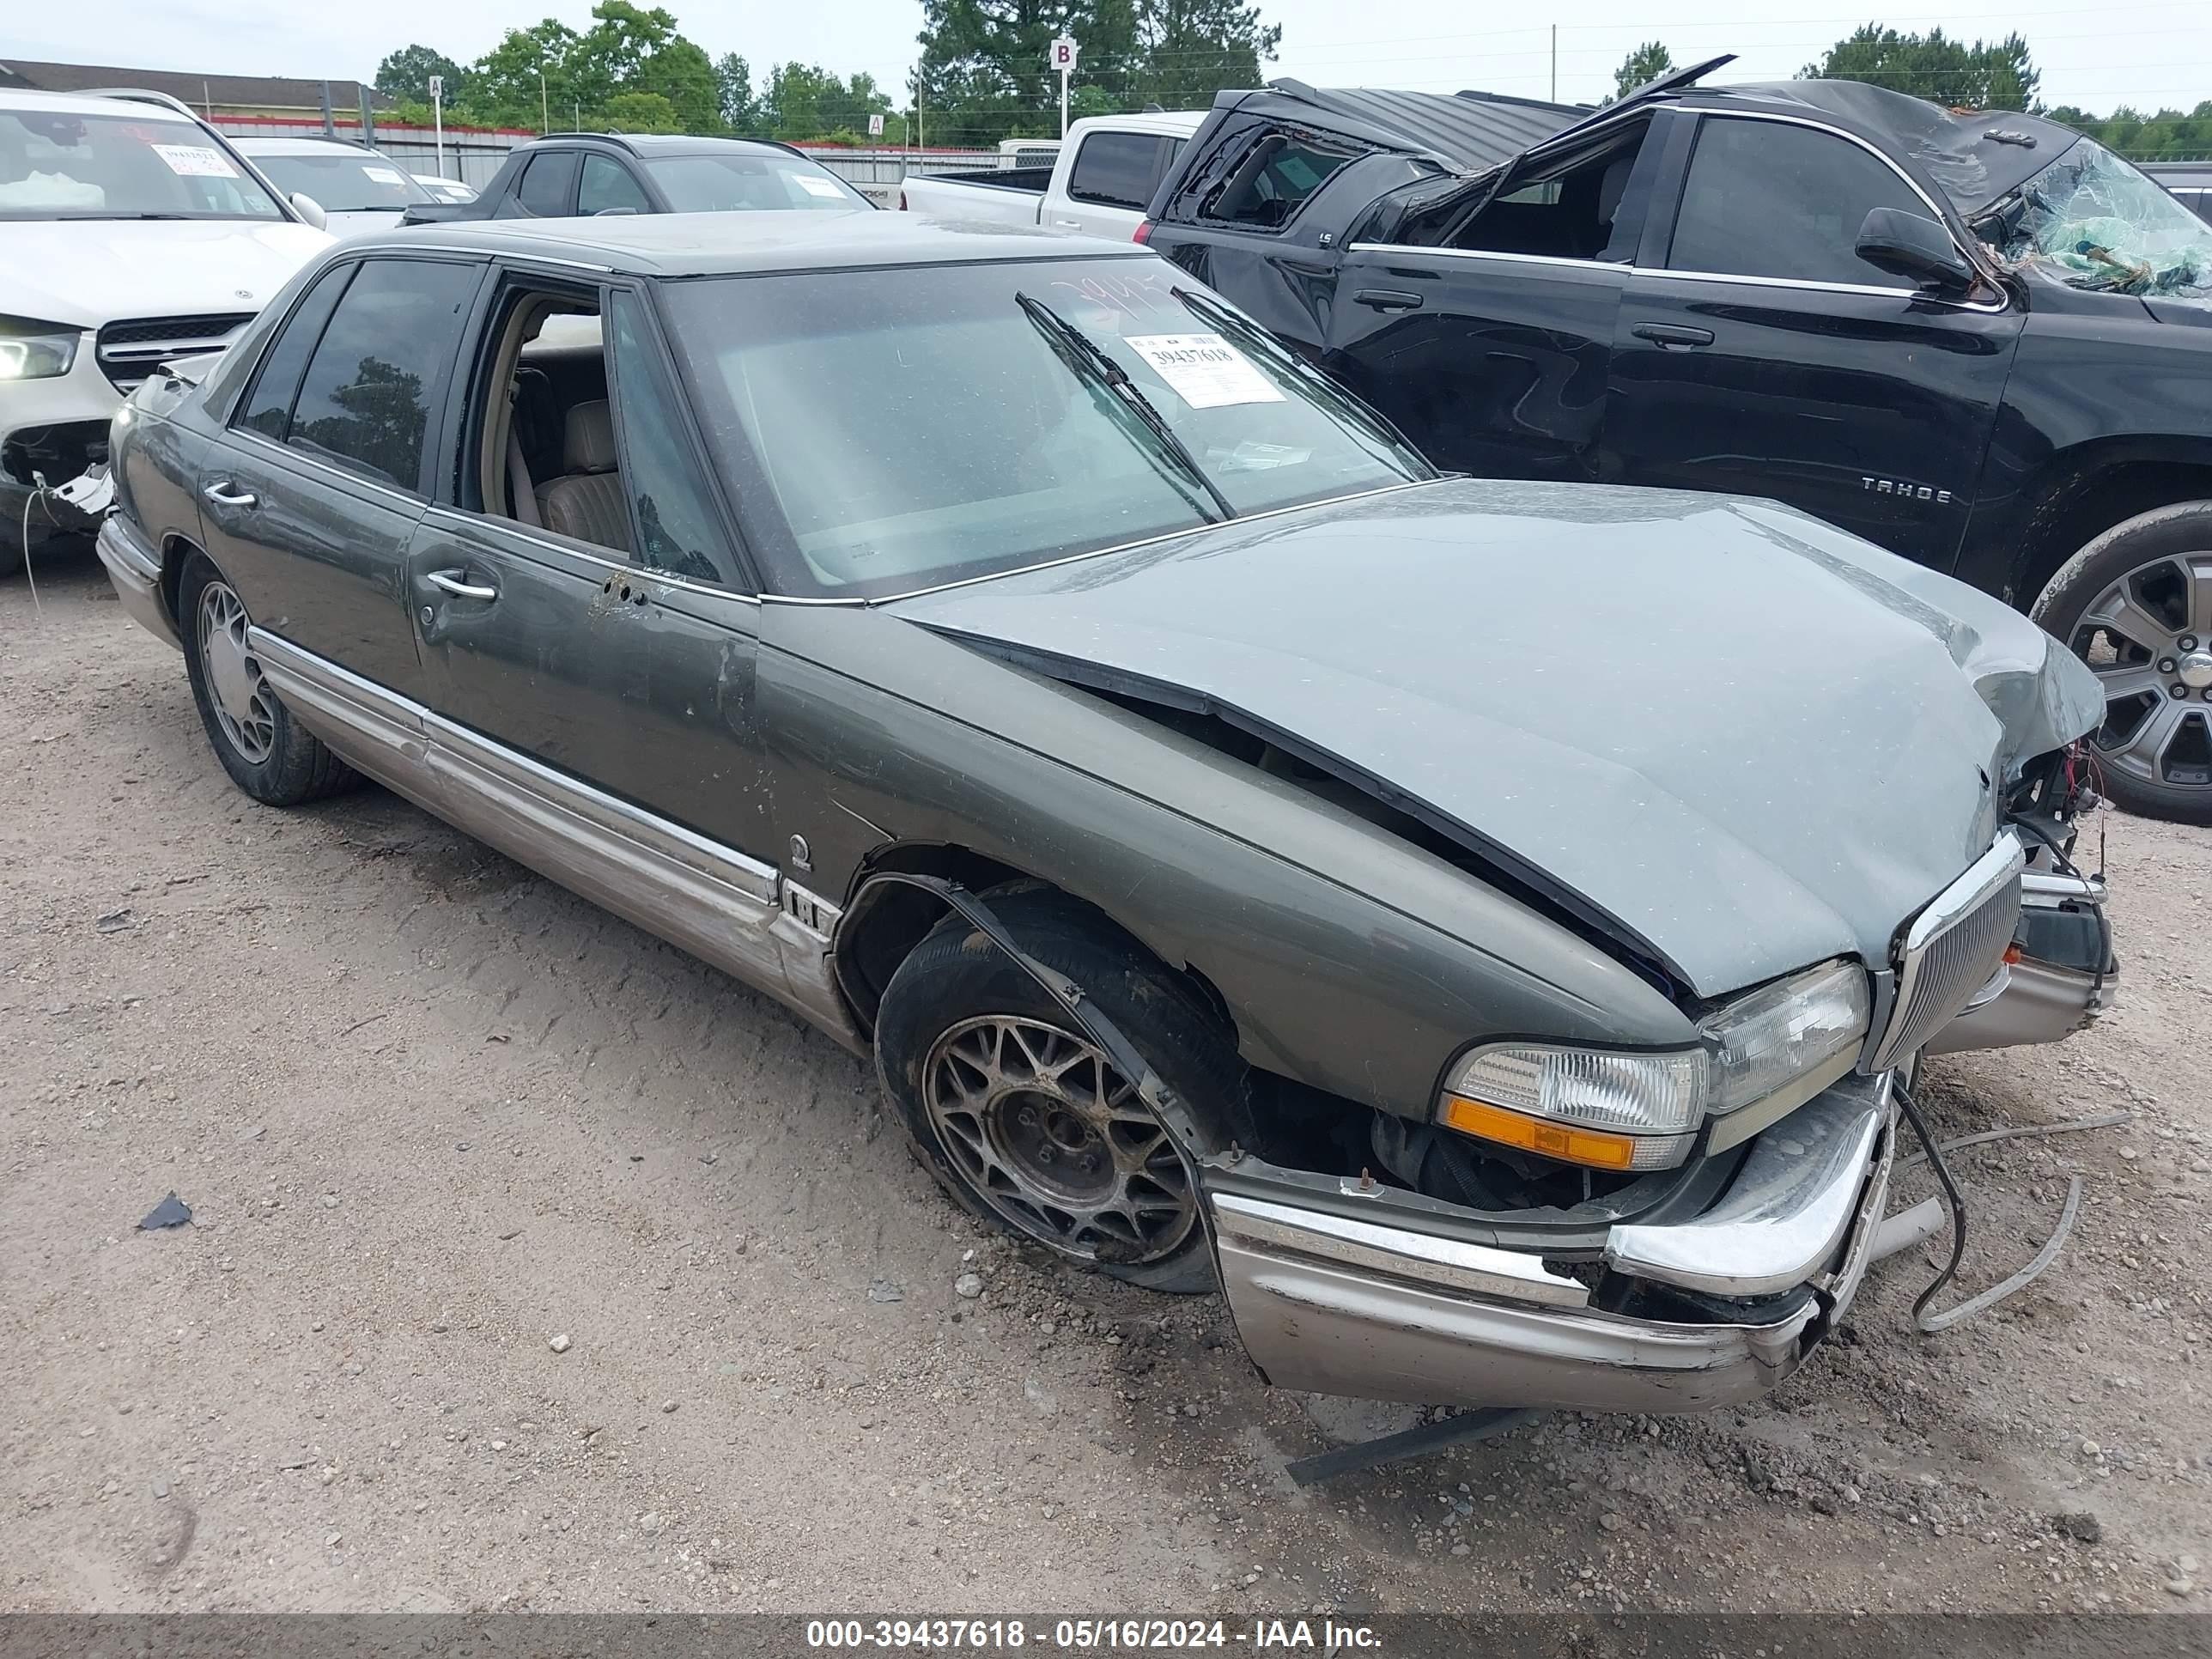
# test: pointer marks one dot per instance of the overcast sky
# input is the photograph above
(2145, 52)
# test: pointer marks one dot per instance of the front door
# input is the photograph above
(1759, 355)
(613, 640)
(310, 499)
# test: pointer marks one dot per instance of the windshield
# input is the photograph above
(892, 429)
(345, 182)
(2092, 221)
(732, 181)
(59, 164)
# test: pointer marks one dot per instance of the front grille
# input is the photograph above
(1951, 949)
(132, 350)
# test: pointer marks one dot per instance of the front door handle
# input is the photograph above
(1386, 299)
(1068, 224)
(220, 493)
(456, 583)
(1672, 334)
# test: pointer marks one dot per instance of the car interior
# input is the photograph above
(548, 458)
(1564, 206)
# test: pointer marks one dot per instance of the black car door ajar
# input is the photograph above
(308, 501)
(1758, 354)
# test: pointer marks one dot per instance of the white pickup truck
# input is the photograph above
(1098, 186)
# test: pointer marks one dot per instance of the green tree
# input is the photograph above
(983, 75)
(639, 112)
(805, 101)
(1996, 75)
(740, 109)
(1647, 62)
(504, 83)
(406, 74)
(1192, 49)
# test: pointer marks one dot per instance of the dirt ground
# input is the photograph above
(436, 1119)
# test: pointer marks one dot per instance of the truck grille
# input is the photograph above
(130, 351)
(1951, 949)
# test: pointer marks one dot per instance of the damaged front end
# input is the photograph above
(2094, 222)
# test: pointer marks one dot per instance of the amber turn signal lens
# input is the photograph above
(1592, 1147)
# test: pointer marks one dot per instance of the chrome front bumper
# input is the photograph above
(135, 570)
(1381, 1310)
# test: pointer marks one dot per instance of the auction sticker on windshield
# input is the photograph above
(814, 186)
(1205, 370)
(383, 175)
(195, 161)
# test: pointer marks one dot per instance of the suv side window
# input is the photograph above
(1273, 182)
(268, 406)
(1770, 198)
(546, 189)
(609, 188)
(679, 527)
(1118, 169)
(380, 366)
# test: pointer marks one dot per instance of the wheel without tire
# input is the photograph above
(2136, 605)
(1025, 1119)
(267, 753)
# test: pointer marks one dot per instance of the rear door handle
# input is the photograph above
(219, 492)
(1672, 334)
(456, 583)
(1386, 299)
(1068, 224)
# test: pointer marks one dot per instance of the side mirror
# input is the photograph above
(1912, 244)
(614, 213)
(310, 209)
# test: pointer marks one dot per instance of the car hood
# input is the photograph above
(358, 222)
(90, 271)
(1742, 739)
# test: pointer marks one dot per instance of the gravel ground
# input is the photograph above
(535, 1266)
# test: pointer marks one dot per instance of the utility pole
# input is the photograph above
(1062, 57)
(545, 120)
(1555, 63)
(438, 118)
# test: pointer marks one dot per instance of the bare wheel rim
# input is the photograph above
(245, 708)
(2147, 637)
(1056, 1140)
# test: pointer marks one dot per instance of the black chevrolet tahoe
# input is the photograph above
(1982, 341)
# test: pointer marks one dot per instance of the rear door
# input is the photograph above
(1109, 179)
(1758, 354)
(311, 496)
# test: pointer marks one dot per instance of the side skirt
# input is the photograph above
(722, 907)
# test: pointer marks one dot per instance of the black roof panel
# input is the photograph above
(1469, 129)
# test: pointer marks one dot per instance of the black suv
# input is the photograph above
(1982, 341)
(569, 175)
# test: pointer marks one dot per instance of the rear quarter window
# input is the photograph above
(1276, 177)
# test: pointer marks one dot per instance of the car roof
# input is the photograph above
(757, 242)
(84, 104)
(666, 143)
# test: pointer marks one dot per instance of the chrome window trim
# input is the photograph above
(629, 568)
(451, 251)
(1806, 284)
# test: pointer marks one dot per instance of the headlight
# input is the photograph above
(35, 351)
(1761, 1056)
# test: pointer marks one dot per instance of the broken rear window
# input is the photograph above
(2092, 221)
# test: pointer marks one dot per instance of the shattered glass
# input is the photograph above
(2092, 221)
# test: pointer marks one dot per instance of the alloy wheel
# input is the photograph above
(1057, 1141)
(2147, 637)
(245, 708)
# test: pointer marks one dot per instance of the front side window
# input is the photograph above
(344, 181)
(2091, 221)
(886, 430)
(366, 397)
(1272, 183)
(676, 524)
(1770, 198)
(609, 188)
(734, 180)
(60, 165)
(1118, 169)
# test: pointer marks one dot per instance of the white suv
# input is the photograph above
(130, 232)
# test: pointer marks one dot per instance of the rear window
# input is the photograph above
(1119, 169)
(733, 182)
(1273, 182)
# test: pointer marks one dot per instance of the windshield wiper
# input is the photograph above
(1082, 355)
(1254, 339)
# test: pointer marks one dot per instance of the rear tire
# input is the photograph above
(268, 754)
(1023, 1119)
(2136, 605)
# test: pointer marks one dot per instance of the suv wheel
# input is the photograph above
(1025, 1120)
(267, 753)
(2136, 605)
